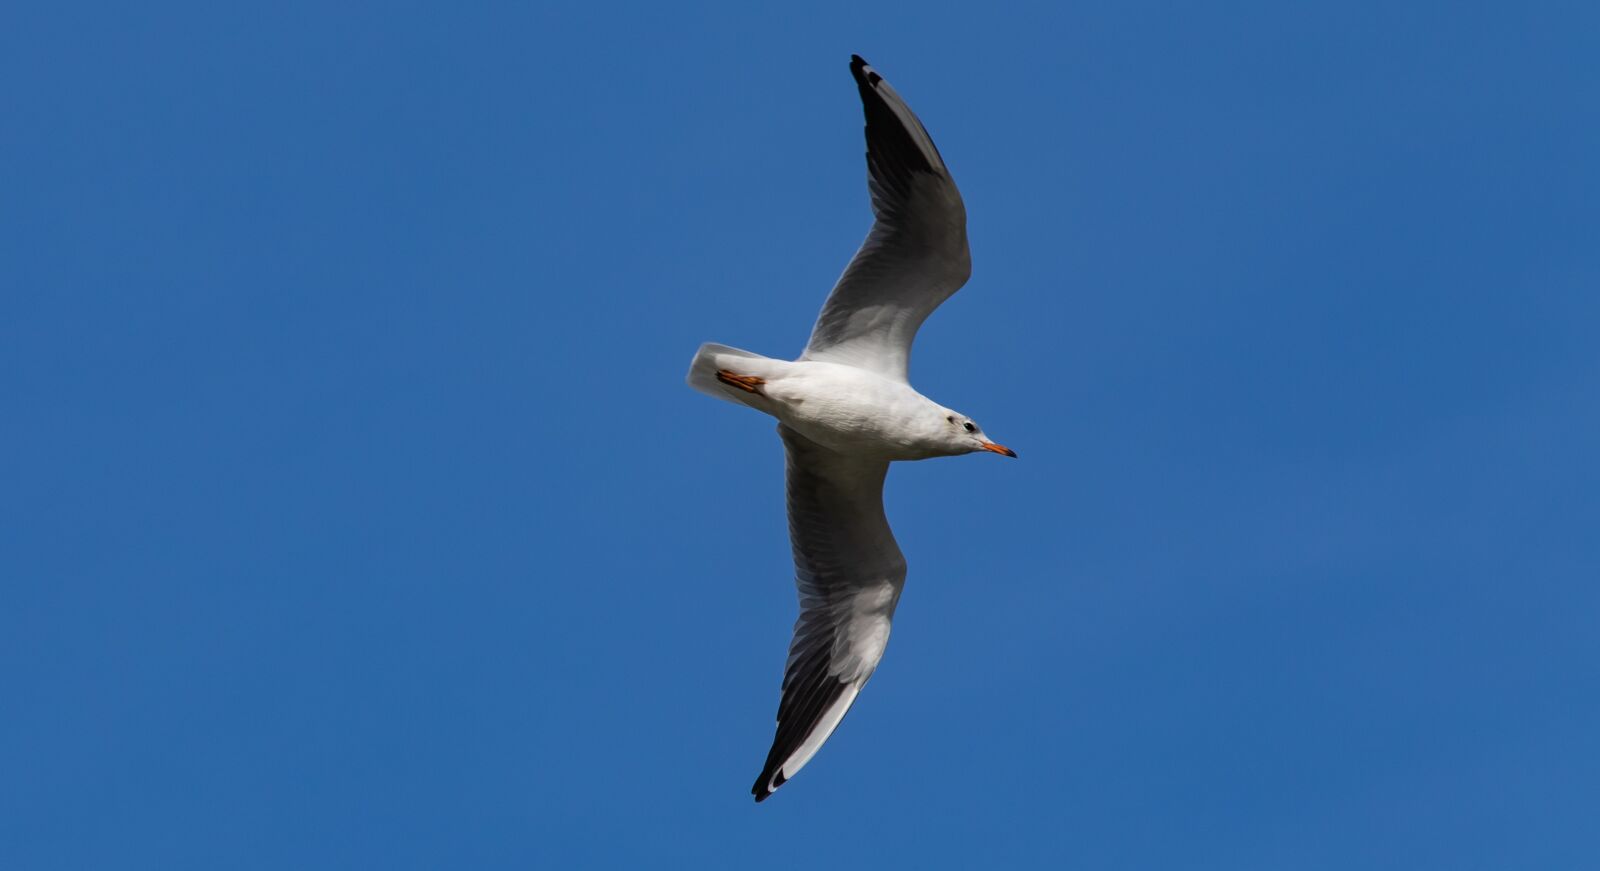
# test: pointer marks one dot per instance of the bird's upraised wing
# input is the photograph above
(914, 257)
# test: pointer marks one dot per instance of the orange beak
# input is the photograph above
(999, 449)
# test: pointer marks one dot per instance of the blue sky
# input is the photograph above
(354, 513)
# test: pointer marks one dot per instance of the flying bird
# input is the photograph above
(845, 410)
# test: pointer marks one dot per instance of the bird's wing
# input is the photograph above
(849, 572)
(914, 257)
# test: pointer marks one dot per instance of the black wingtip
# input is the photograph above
(760, 790)
(862, 72)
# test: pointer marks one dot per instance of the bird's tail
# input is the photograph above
(713, 357)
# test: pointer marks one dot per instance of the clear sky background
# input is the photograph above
(354, 513)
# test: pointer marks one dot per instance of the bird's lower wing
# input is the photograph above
(849, 573)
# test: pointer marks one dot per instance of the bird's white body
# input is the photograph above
(847, 409)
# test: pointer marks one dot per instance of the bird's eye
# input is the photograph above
(969, 427)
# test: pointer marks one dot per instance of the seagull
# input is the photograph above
(845, 411)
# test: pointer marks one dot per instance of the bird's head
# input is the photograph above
(960, 434)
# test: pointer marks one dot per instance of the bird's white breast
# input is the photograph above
(853, 410)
